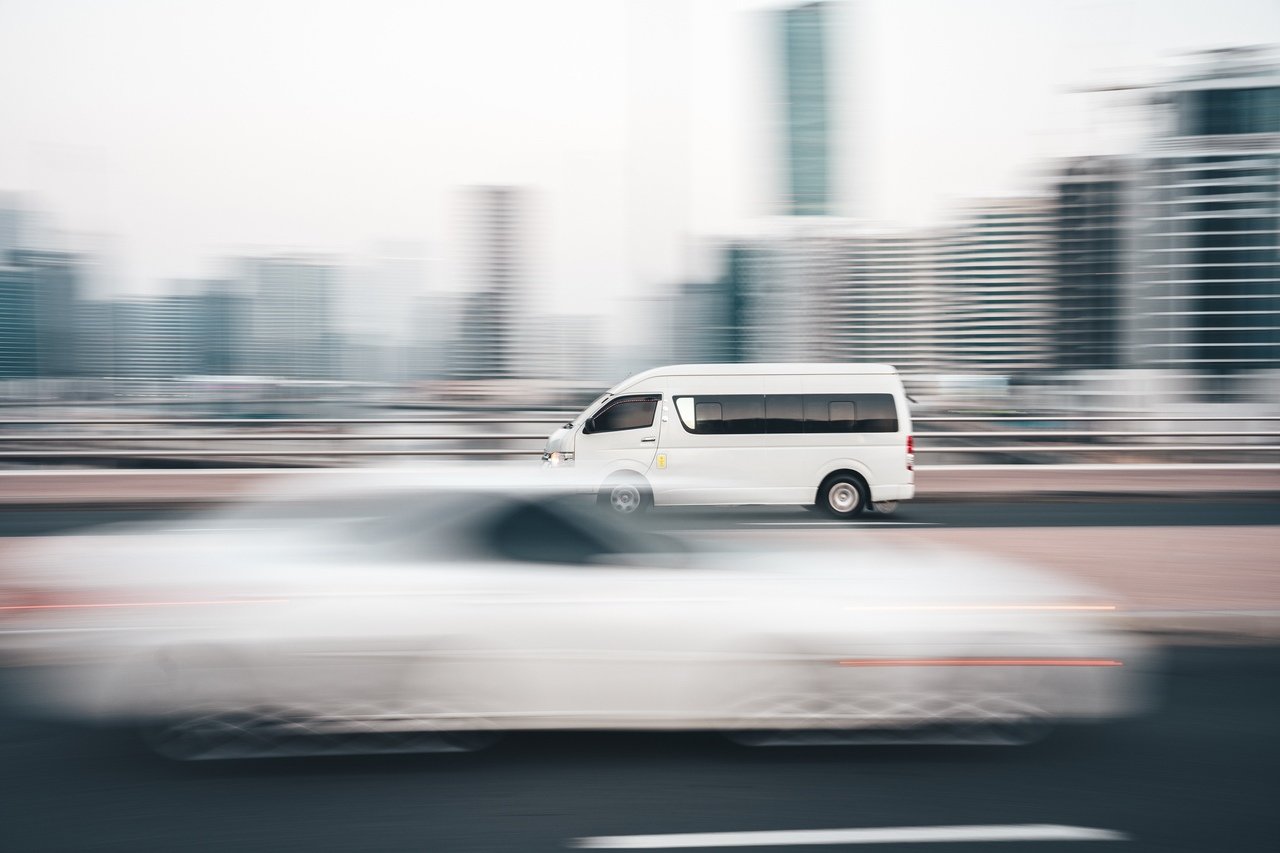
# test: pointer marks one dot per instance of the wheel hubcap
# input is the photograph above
(625, 498)
(843, 497)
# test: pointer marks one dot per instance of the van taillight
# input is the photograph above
(911, 453)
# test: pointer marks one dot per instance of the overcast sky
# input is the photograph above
(182, 131)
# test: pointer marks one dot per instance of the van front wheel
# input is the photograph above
(843, 497)
(625, 497)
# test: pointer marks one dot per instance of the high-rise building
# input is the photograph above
(291, 327)
(55, 277)
(996, 275)
(152, 337)
(1092, 230)
(18, 336)
(96, 331)
(496, 218)
(807, 122)
(769, 302)
(1206, 297)
(704, 322)
(561, 348)
(220, 325)
(15, 225)
(436, 320)
(785, 283)
(885, 303)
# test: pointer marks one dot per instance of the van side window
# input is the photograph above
(624, 413)
(708, 418)
(684, 407)
(783, 414)
(723, 414)
(843, 415)
(877, 413)
(850, 413)
(743, 414)
(817, 413)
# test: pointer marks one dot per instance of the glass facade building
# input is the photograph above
(1207, 275)
(18, 339)
(884, 302)
(996, 271)
(807, 109)
(1092, 216)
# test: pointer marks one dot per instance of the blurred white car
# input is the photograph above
(398, 612)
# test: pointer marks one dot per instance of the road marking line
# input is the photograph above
(838, 524)
(880, 835)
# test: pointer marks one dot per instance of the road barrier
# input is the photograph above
(66, 443)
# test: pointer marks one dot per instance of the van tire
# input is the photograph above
(625, 496)
(842, 496)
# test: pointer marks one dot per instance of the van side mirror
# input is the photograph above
(589, 426)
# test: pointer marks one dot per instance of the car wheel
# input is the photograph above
(842, 496)
(625, 497)
(884, 507)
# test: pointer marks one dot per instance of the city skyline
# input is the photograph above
(603, 233)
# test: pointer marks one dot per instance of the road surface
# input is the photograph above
(42, 520)
(1202, 774)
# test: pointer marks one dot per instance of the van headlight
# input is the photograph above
(556, 458)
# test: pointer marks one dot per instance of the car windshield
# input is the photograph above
(426, 525)
(567, 529)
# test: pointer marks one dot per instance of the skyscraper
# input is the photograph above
(15, 225)
(807, 134)
(18, 338)
(55, 277)
(290, 301)
(885, 301)
(152, 337)
(221, 328)
(996, 275)
(1092, 218)
(1206, 299)
(484, 349)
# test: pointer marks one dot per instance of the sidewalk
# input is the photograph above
(950, 483)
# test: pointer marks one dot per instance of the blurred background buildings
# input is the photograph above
(1163, 263)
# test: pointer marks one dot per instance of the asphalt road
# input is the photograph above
(35, 521)
(1201, 774)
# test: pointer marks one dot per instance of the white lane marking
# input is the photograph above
(838, 524)
(879, 835)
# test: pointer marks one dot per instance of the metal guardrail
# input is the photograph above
(1140, 441)
(568, 416)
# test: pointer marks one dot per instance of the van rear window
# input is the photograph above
(754, 414)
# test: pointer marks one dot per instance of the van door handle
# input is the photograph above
(649, 439)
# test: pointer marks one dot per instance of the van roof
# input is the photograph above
(764, 369)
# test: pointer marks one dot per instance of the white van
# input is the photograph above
(832, 436)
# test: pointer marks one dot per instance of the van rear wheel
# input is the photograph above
(843, 496)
